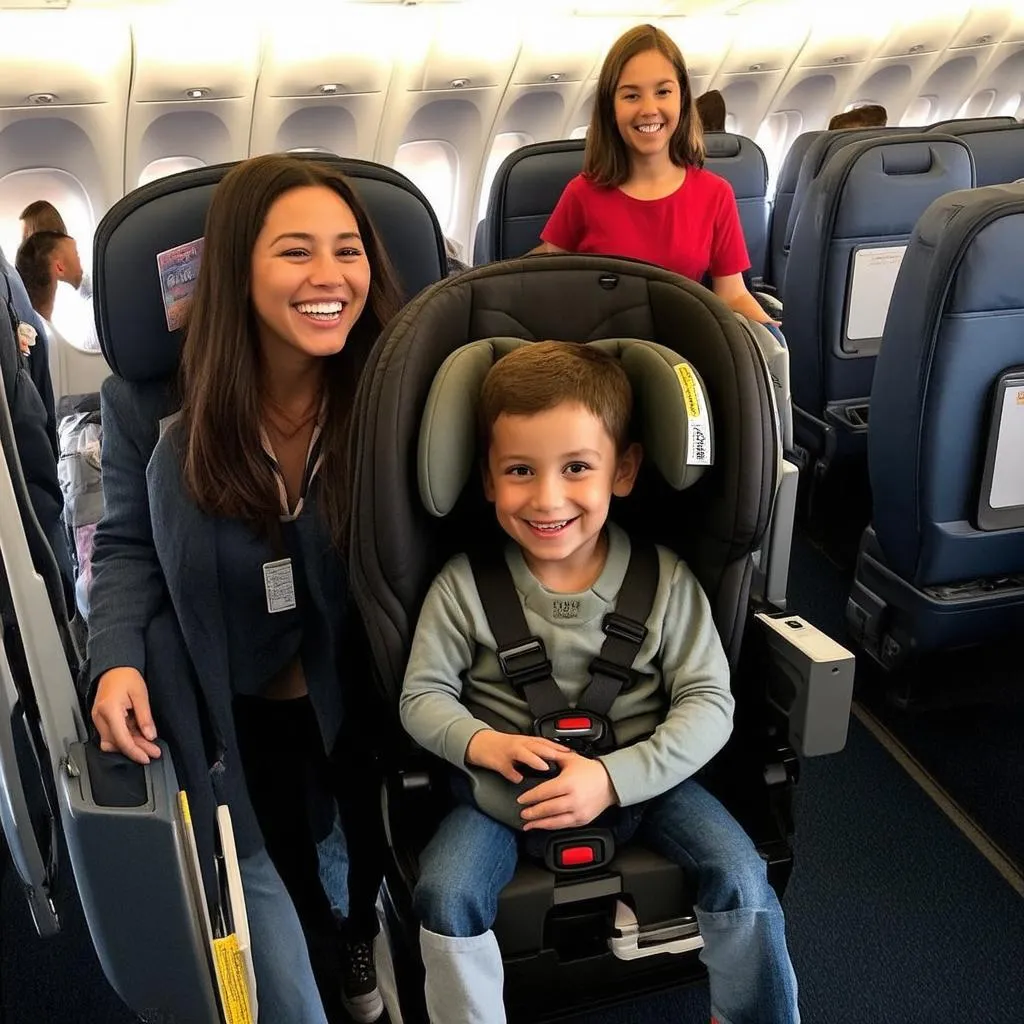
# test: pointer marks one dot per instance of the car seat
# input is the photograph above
(555, 931)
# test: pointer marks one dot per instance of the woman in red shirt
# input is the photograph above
(644, 192)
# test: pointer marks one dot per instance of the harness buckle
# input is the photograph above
(579, 730)
(578, 850)
(524, 662)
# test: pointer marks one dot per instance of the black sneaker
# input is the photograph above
(359, 990)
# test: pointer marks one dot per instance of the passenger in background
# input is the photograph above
(871, 115)
(220, 613)
(31, 327)
(644, 192)
(456, 264)
(711, 109)
(72, 314)
(37, 261)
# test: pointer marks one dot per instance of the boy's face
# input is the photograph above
(551, 476)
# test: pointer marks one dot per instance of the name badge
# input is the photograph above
(280, 585)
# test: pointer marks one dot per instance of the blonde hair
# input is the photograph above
(606, 161)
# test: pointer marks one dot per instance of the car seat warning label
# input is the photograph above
(698, 432)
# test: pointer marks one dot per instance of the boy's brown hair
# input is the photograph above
(542, 375)
(711, 109)
(606, 158)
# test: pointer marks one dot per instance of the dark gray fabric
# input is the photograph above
(953, 125)
(998, 149)
(955, 323)
(169, 212)
(742, 163)
(871, 192)
(398, 547)
(524, 193)
(785, 189)
(816, 159)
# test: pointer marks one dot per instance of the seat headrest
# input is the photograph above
(170, 213)
(722, 144)
(670, 409)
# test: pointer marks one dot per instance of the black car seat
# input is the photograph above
(555, 932)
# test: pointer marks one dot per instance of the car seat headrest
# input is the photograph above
(670, 411)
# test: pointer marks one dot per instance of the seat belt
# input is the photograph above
(523, 657)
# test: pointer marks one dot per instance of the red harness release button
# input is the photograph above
(573, 723)
(576, 856)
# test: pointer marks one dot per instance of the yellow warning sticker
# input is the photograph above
(698, 426)
(231, 980)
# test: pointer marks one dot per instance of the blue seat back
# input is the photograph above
(816, 159)
(172, 211)
(949, 126)
(524, 193)
(868, 197)
(785, 189)
(742, 163)
(998, 149)
(956, 323)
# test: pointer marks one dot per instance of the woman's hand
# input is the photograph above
(122, 717)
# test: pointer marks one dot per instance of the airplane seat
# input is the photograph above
(599, 936)
(819, 152)
(949, 126)
(785, 189)
(942, 563)
(480, 243)
(998, 149)
(850, 237)
(742, 163)
(524, 192)
(118, 819)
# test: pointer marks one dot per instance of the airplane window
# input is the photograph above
(775, 135)
(1010, 105)
(919, 112)
(504, 144)
(168, 165)
(979, 105)
(579, 133)
(434, 167)
(730, 123)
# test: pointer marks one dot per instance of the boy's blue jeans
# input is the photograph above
(472, 857)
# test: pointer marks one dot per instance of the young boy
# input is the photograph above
(554, 418)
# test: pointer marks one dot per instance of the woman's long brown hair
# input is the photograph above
(606, 160)
(225, 469)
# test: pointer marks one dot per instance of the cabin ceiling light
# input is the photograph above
(755, 67)
(840, 59)
(460, 83)
(916, 48)
(557, 77)
(197, 94)
(42, 99)
(328, 89)
(982, 40)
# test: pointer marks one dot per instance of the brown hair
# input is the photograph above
(32, 262)
(539, 376)
(43, 216)
(225, 468)
(606, 160)
(872, 115)
(711, 110)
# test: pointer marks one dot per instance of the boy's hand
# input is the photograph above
(499, 750)
(581, 792)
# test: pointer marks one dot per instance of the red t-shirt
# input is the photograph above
(691, 231)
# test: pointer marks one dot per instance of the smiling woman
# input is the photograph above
(644, 192)
(244, 502)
